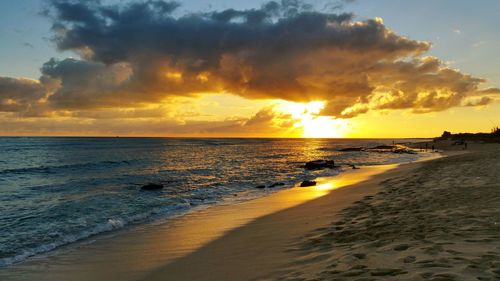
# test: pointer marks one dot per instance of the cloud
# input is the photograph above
(280, 51)
(86, 84)
(19, 94)
(139, 53)
(490, 91)
(28, 45)
(480, 102)
(266, 123)
(422, 85)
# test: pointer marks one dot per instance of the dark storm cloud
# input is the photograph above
(143, 52)
(86, 84)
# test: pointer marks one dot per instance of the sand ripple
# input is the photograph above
(439, 222)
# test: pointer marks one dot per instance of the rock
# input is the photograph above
(409, 259)
(392, 148)
(260, 186)
(152, 186)
(401, 247)
(319, 164)
(276, 184)
(360, 255)
(384, 147)
(351, 149)
(307, 183)
(387, 271)
(404, 150)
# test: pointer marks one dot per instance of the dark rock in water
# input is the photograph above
(384, 147)
(360, 255)
(307, 183)
(260, 186)
(319, 164)
(351, 149)
(276, 184)
(401, 247)
(152, 186)
(392, 148)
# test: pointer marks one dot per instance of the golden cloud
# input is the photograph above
(140, 53)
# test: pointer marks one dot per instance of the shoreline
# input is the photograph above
(435, 219)
(270, 237)
(55, 263)
(439, 222)
(133, 208)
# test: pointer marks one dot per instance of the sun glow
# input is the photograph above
(310, 123)
(323, 127)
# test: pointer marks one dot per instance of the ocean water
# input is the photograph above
(55, 191)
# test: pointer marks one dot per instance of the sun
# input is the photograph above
(322, 127)
(312, 125)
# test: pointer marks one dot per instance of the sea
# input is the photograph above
(55, 191)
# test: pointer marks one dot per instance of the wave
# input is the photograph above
(108, 226)
(199, 199)
(97, 196)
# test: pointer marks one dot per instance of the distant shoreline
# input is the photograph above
(202, 137)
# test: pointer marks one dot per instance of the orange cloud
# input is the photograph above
(141, 53)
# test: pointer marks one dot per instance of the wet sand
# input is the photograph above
(138, 253)
(266, 249)
(432, 220)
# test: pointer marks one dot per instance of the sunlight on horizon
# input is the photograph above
(310, 123)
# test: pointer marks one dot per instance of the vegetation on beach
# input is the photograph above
(493, 136)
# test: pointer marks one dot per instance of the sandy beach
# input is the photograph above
(439, 221)
(430, 220)
(435, 220)
(219, 140)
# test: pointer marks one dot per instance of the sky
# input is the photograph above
(222, 68)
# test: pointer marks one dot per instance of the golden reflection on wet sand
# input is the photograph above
(132, 253)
